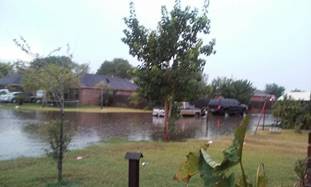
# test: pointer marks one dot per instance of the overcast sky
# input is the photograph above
(264, 41)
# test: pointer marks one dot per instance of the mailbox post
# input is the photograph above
(133, 170)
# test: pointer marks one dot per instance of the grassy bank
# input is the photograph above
(91, 109)
(104, 164)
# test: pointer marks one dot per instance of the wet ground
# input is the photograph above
(24, 133)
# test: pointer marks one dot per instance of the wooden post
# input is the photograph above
(133, 171)
(308, 178)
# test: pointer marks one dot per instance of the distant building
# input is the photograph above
(90, 89)
(259, 98)
(12, 81)
(296, 96)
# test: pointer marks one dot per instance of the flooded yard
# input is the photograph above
(21, 134)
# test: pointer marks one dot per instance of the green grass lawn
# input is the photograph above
(104, 163)
(82, 108)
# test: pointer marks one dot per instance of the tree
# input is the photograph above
(56, 75)
(296, 90)
(241, 90)
(293, 114)
(117, 67)
(5, 69)
(171, 64)
(274, 89)
(105, 92)
(55, 79)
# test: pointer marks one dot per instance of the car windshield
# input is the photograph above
(229, 102)
(214, 102)
(224, 102)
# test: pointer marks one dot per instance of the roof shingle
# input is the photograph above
(116, 83)
(11, 79)
(87, 80)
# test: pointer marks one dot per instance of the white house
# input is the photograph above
(297, 96)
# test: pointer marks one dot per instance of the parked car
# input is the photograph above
(38, 97)
(187, 109)
(3, 92)
(13, 97)
(190, 112)
(158, 112)
(226, 106)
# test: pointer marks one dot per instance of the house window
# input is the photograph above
(72, 94)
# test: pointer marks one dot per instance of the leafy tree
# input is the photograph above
(301, 172)
(296, 90)
(230, 88)
(171, 64)
(5, 69)
(293, 114)
(274, 89)
(105, 93)
(52, 136)
(55, 79)
(56, 75)
(117, 67)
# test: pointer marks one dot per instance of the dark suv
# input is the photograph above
(226, 106)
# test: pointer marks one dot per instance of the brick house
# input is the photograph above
(90, 90)
(258, 99)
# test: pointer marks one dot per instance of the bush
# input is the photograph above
(293, 114)
(301, 171)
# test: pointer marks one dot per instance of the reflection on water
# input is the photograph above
(21, 133)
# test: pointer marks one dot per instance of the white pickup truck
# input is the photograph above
(189, 110)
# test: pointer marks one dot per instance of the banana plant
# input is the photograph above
(216, 174)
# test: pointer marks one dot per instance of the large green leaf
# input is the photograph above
(207, 169)
(207, 158)
(189, 168)
(233, 154)
(212, 177)
(212, 172)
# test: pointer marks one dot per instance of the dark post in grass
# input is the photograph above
(133, 158)
(308, 182)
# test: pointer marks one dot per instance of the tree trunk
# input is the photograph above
(101, 98)
(165, 130)
(61, 143)
(167, 115)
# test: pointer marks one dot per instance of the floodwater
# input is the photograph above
(23, 134)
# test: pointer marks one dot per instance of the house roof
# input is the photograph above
(261, 96)
(261, 93)
(116, 83)
(11, 79)
(87, 80)
(296, 96)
